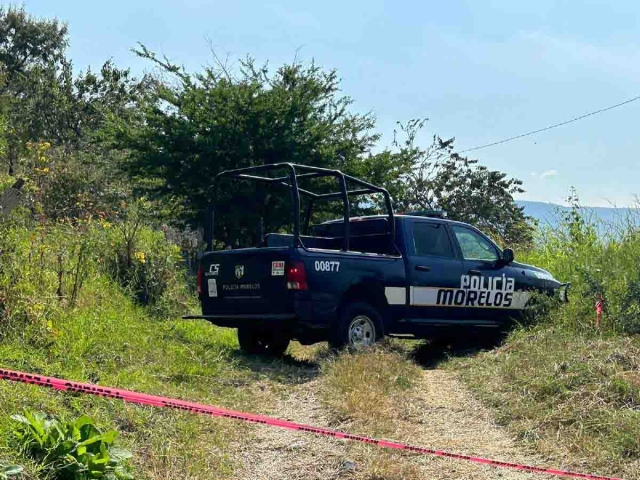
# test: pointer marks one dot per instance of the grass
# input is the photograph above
(66, 311)
(111, 341)
(369, 388)
(390, 466)
(573, 397)
(64, 314)
(595, 265)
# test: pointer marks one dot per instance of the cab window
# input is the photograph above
(474, 246)
(431, 239)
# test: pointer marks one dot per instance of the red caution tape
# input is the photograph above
(156, 401)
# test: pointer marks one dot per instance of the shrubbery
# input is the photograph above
(143, 262)
(597, 260)
(44, 265)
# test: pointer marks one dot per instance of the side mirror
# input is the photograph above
(507, 256)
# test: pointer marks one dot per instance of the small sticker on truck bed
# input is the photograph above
(213, 287)
(277, 269)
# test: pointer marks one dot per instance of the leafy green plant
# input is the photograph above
(10, 471)
(73, 450)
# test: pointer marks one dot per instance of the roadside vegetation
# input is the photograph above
(574, 397)
(89, 322)
(372, 389)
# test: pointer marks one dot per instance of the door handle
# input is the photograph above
(423, 268)
(475, 272)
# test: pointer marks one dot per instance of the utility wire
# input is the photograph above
(552, 126)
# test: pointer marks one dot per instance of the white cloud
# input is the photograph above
(549, 174)
(534, 174)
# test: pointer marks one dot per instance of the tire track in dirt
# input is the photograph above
(442, 414)
(274, 453)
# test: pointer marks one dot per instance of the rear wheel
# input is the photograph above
(262, 342)
(359, 326)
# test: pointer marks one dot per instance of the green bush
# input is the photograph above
(144, 263)
(598, 260)
(81, 185)
(74, 450)
(44, 266)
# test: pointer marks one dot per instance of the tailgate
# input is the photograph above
(246, 281)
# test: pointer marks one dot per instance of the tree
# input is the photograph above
(71, 111)
(440, 179)
(3, 134)
(27, 45)
(51, 121)
(27, 42)
(193, 126)
(196, 125)
(42, 100)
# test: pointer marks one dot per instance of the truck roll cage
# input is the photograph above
(290, 181)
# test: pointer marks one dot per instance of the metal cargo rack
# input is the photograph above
(296, 172)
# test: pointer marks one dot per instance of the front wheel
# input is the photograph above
(359, 326)
(262, 342)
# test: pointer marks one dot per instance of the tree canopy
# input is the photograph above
(89, 139)
(197, 125)
(51, 120)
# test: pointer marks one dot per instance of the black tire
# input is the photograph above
(354, 316)
(262, 342)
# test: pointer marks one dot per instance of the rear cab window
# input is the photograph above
(366, 235)
(431, 239)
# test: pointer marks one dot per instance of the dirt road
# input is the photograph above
(443, 415)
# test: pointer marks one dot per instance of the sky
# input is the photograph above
(480, 71)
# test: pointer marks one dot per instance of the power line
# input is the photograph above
(552, 126)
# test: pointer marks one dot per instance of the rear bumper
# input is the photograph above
(235, 321)
(306, 311)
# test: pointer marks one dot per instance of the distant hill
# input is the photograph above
(547, 213)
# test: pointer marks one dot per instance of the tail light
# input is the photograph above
(199, 281)
(296, 276)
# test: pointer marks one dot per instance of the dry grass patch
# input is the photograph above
(368, 387)
(390, 466)
(571, 396)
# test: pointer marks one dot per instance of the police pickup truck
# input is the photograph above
(354, 280)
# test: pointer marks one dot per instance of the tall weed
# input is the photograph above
(598, 260)
(44, 267)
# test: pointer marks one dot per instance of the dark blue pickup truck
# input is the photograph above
(354, 280)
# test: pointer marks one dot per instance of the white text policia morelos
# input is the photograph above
(480, 291)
